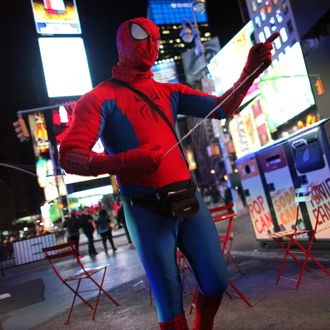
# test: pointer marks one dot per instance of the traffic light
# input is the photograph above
(21, 129)
(319, 86)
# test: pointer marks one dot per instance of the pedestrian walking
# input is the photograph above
(121, 219)
(86, 222)
(72, 229)
(104, 229)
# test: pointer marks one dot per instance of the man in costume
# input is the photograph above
(135, 138)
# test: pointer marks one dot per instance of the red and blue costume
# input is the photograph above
(135, 138)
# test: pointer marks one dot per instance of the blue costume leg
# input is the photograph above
(198, 239)
(156, 239)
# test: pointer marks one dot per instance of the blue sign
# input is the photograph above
(173, 12)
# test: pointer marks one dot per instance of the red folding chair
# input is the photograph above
(219, 214)
(222, 214)
(56, 254)
(303, 195)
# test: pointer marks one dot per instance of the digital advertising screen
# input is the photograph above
(285, 88)
(56, 17)
(173, 12)
(65, 66)
(249, 129)
(165, 71)
(227, 65)
(52, 184)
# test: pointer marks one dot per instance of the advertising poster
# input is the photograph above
(249, 129)
(282, 192)
(311, 158)
(56, 16)
(261, 123)
(322, 178)
(240, 142)
(256, 199)
(52, 184)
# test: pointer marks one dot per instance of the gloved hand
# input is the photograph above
(260, 55)
(142, 159)
(85, 162)
(259, 59)
(145, 159)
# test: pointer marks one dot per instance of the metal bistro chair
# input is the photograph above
(219, 214)
(303, 195)
(57, 253)
(222, 214)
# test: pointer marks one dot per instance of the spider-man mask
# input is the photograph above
(137, 43)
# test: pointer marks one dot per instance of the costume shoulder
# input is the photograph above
(191, 102)
(185, 89)
(102, 92)
(86, 118)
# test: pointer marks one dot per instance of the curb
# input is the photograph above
(275, 255)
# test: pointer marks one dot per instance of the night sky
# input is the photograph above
(22, 81)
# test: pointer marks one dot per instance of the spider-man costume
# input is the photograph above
(135, 138)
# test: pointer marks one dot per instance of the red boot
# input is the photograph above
(206, 308)
(178, 323)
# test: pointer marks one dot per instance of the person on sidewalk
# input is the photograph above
(86, 222)
(72, 229)
(115, 207)
(134, 115)
(121, 219)
(104, 229)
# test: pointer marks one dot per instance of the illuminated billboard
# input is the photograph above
(56, 17)
(165, 71)
(285, 88)
(173, 12)
(227, 65)
(249, 129)
(52, 184)
(65, 66)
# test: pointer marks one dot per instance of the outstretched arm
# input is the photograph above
(199, 104)
(259, 59)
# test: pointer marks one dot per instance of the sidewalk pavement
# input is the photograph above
(39, 301)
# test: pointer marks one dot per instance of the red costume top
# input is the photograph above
(133, 135)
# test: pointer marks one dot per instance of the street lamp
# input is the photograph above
(190, 33)
(199, 6)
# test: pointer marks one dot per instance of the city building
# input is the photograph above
(171, 17)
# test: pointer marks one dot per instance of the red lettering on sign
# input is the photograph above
(263, 223)
(256, 206)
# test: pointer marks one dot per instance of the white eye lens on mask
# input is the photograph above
(138, 32)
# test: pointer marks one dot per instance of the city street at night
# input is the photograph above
(39, 301)
(165, 164)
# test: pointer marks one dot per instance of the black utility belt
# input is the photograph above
(174, 200)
